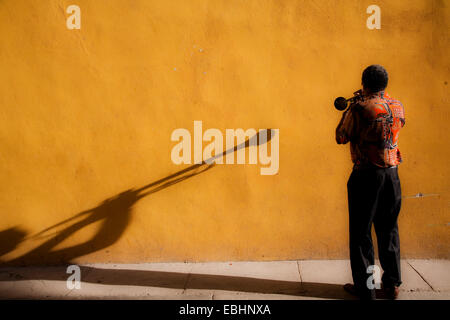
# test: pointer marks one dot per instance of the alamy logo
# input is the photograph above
(257, 143)
(74, 280)
(74, 20)
(374, 20)
(374, 281)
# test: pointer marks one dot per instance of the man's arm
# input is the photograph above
(345, 128)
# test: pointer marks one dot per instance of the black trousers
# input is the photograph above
(374, 196)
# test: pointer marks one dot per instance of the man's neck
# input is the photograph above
(368, 93)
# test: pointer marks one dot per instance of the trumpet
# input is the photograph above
(341, 103)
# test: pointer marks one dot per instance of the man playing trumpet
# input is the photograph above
(371, 124)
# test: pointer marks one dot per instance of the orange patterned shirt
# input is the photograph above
(372, 126)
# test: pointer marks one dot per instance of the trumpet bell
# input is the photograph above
(340, 103)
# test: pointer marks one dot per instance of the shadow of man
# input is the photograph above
(114, 214)
(10, 239)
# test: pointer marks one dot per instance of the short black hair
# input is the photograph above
(375, 78)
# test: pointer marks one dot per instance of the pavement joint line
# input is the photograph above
(299, 272)
(187, 279)
(68, 293)
(186, 282)
(421, 276)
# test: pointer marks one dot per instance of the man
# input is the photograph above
(372, 126)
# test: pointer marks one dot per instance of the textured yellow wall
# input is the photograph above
(86, 115)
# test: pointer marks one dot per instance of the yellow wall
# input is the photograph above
(87, 115)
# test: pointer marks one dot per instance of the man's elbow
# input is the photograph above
(341, 139)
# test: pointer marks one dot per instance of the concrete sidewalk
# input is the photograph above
(304, 279)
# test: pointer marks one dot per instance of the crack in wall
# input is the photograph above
(421, 195)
